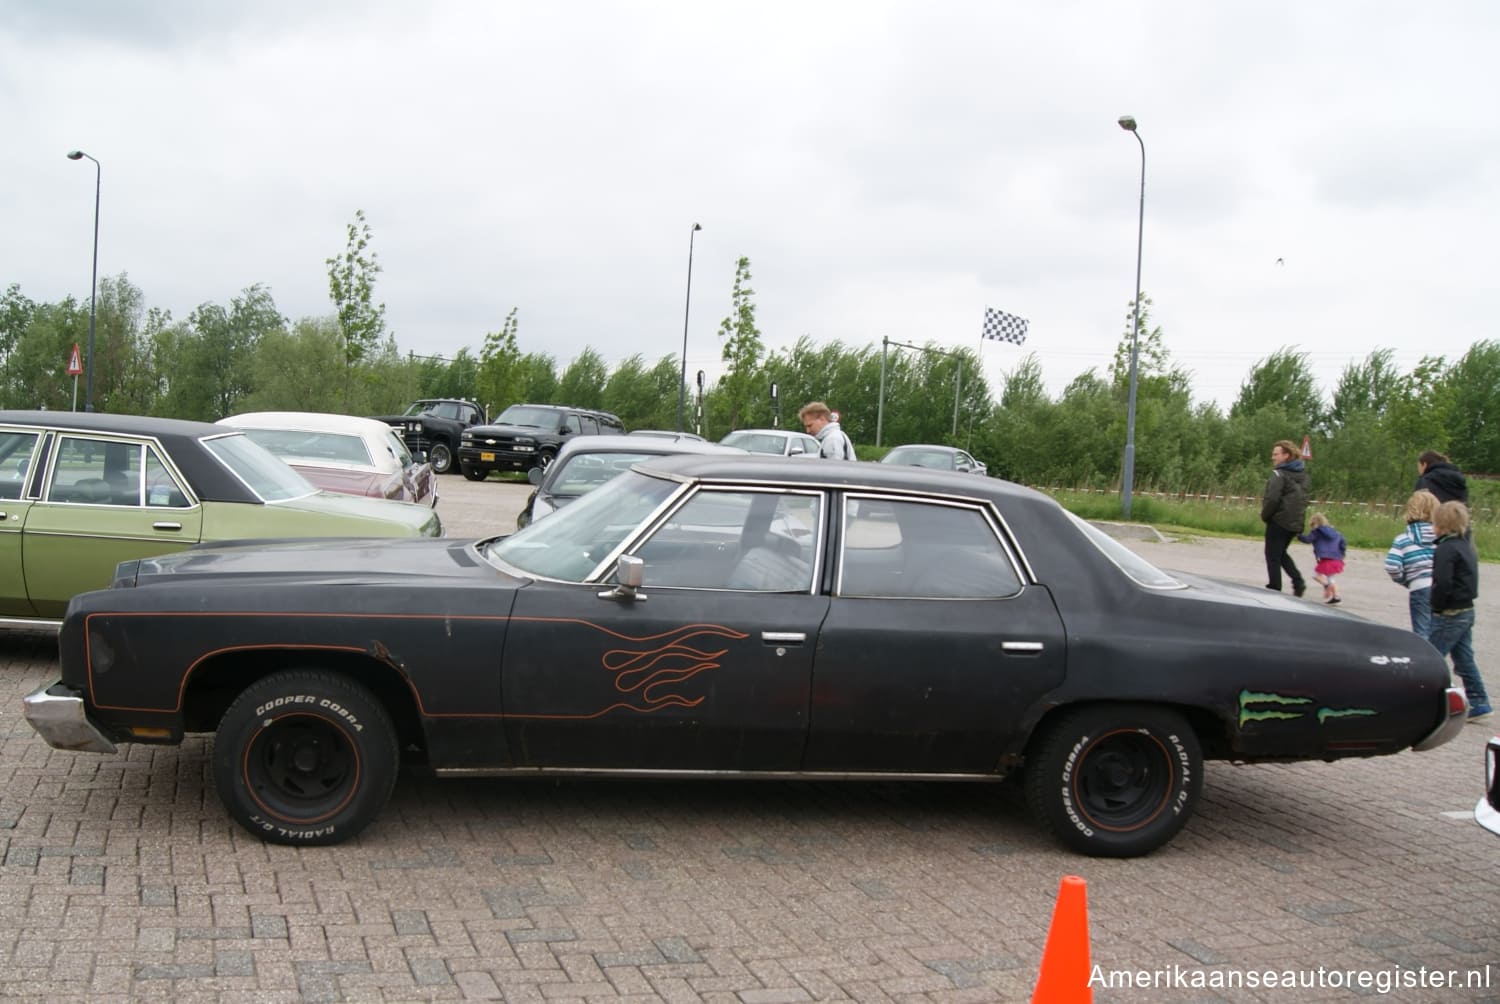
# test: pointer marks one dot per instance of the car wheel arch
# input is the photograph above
(216, 681)
(1210, 729)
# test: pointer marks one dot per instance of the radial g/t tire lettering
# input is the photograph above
(304, 757)
(1115, 781)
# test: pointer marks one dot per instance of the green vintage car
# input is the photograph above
(82, 492)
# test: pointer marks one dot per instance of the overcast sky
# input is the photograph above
(1324, 176)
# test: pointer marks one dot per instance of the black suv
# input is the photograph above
(524, 436)
(432, 426)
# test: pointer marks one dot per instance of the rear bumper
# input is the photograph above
(58, 715)
(1458, 715)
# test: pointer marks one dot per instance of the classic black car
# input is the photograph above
(736, 616)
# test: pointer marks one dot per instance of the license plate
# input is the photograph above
(486, 456)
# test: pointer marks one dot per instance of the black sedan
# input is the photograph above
(723, 617)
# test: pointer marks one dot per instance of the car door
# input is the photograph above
(17, 459)
(935, 647)
(106, 499)
(709, 668)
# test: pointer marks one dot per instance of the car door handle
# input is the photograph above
(1021, 647)
(164, 525)
(783, 637)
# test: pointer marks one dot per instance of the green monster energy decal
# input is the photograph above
(1263, 714)
(1326, 713)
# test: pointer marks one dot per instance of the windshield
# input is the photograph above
(263, 473)
(583, 472)
(1132, 564)
(572, 542)
(420, 408)
(914, 457)
(317, 447)
(756, 442)
(538, 418)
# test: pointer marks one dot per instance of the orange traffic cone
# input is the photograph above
(1064, 976)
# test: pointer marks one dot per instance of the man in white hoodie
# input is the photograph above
(817, 419)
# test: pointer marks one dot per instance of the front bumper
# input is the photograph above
(58, 715)
(1458, 716)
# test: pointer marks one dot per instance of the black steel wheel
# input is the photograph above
(474, 473)
(305, 757)
(1115, 780)
(441, 456)
(544, 459)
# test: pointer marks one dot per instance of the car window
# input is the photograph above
(756, 442)
(922, 550)
(16, 448)
(581, 473)
(398, 449)
(744, 540)
(447, 409)
(588, 425)
(1132, 564)
(258, 469)
(810, 445)
(96, 471)
(938, 459)
(520, 414)
(162, 489)
(297, 444)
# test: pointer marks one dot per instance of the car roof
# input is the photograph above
(181, 438)
(753, 467)
(309, 421)
(928, 446)
(643, 444)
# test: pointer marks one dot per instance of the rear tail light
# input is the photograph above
(1458, 704)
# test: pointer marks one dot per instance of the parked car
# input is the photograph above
(433, 426)
(667, 434)
(341, 453)
(527, 436)
(587, 462)
(939, 458)
(81, 492)
(733, 616)
(1487, 811)
(778, 442)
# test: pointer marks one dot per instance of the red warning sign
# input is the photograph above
(75, 362)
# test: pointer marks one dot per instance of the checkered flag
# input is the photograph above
(1003, 327)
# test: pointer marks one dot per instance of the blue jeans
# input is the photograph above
(1420, 602)
(1454, 635)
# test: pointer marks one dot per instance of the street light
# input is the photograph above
(1128, 488)
(682, 376)
(88, 380)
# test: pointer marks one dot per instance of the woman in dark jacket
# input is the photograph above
(1283, 508)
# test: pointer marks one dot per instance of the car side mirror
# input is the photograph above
(565, 430)
(630, 572)
(535, 475)
(795, 450)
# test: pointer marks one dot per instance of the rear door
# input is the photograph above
(935, 646)
(106, 499)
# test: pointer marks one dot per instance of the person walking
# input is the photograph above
(1409, 561)
(1283, 508)
(1455, 587)
(1329, 549)
(1441, 476)
(818, 420)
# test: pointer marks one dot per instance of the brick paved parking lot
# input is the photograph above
(122, 879)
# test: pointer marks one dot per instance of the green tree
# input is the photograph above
(351, 285)
(293, 370)
(1282, 380)
(582, 383)
(1365, 390)
(538, 379)
(739, 390)
(1472, 386)
(499, 366)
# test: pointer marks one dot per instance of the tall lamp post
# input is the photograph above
(1127, 489)
(682, 377)
(88, 380)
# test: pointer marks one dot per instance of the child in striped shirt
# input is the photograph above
(1409, 561)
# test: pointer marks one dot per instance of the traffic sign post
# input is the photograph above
(75, 368)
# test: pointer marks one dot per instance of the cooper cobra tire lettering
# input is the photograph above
(1114, 780)
(305, 757)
